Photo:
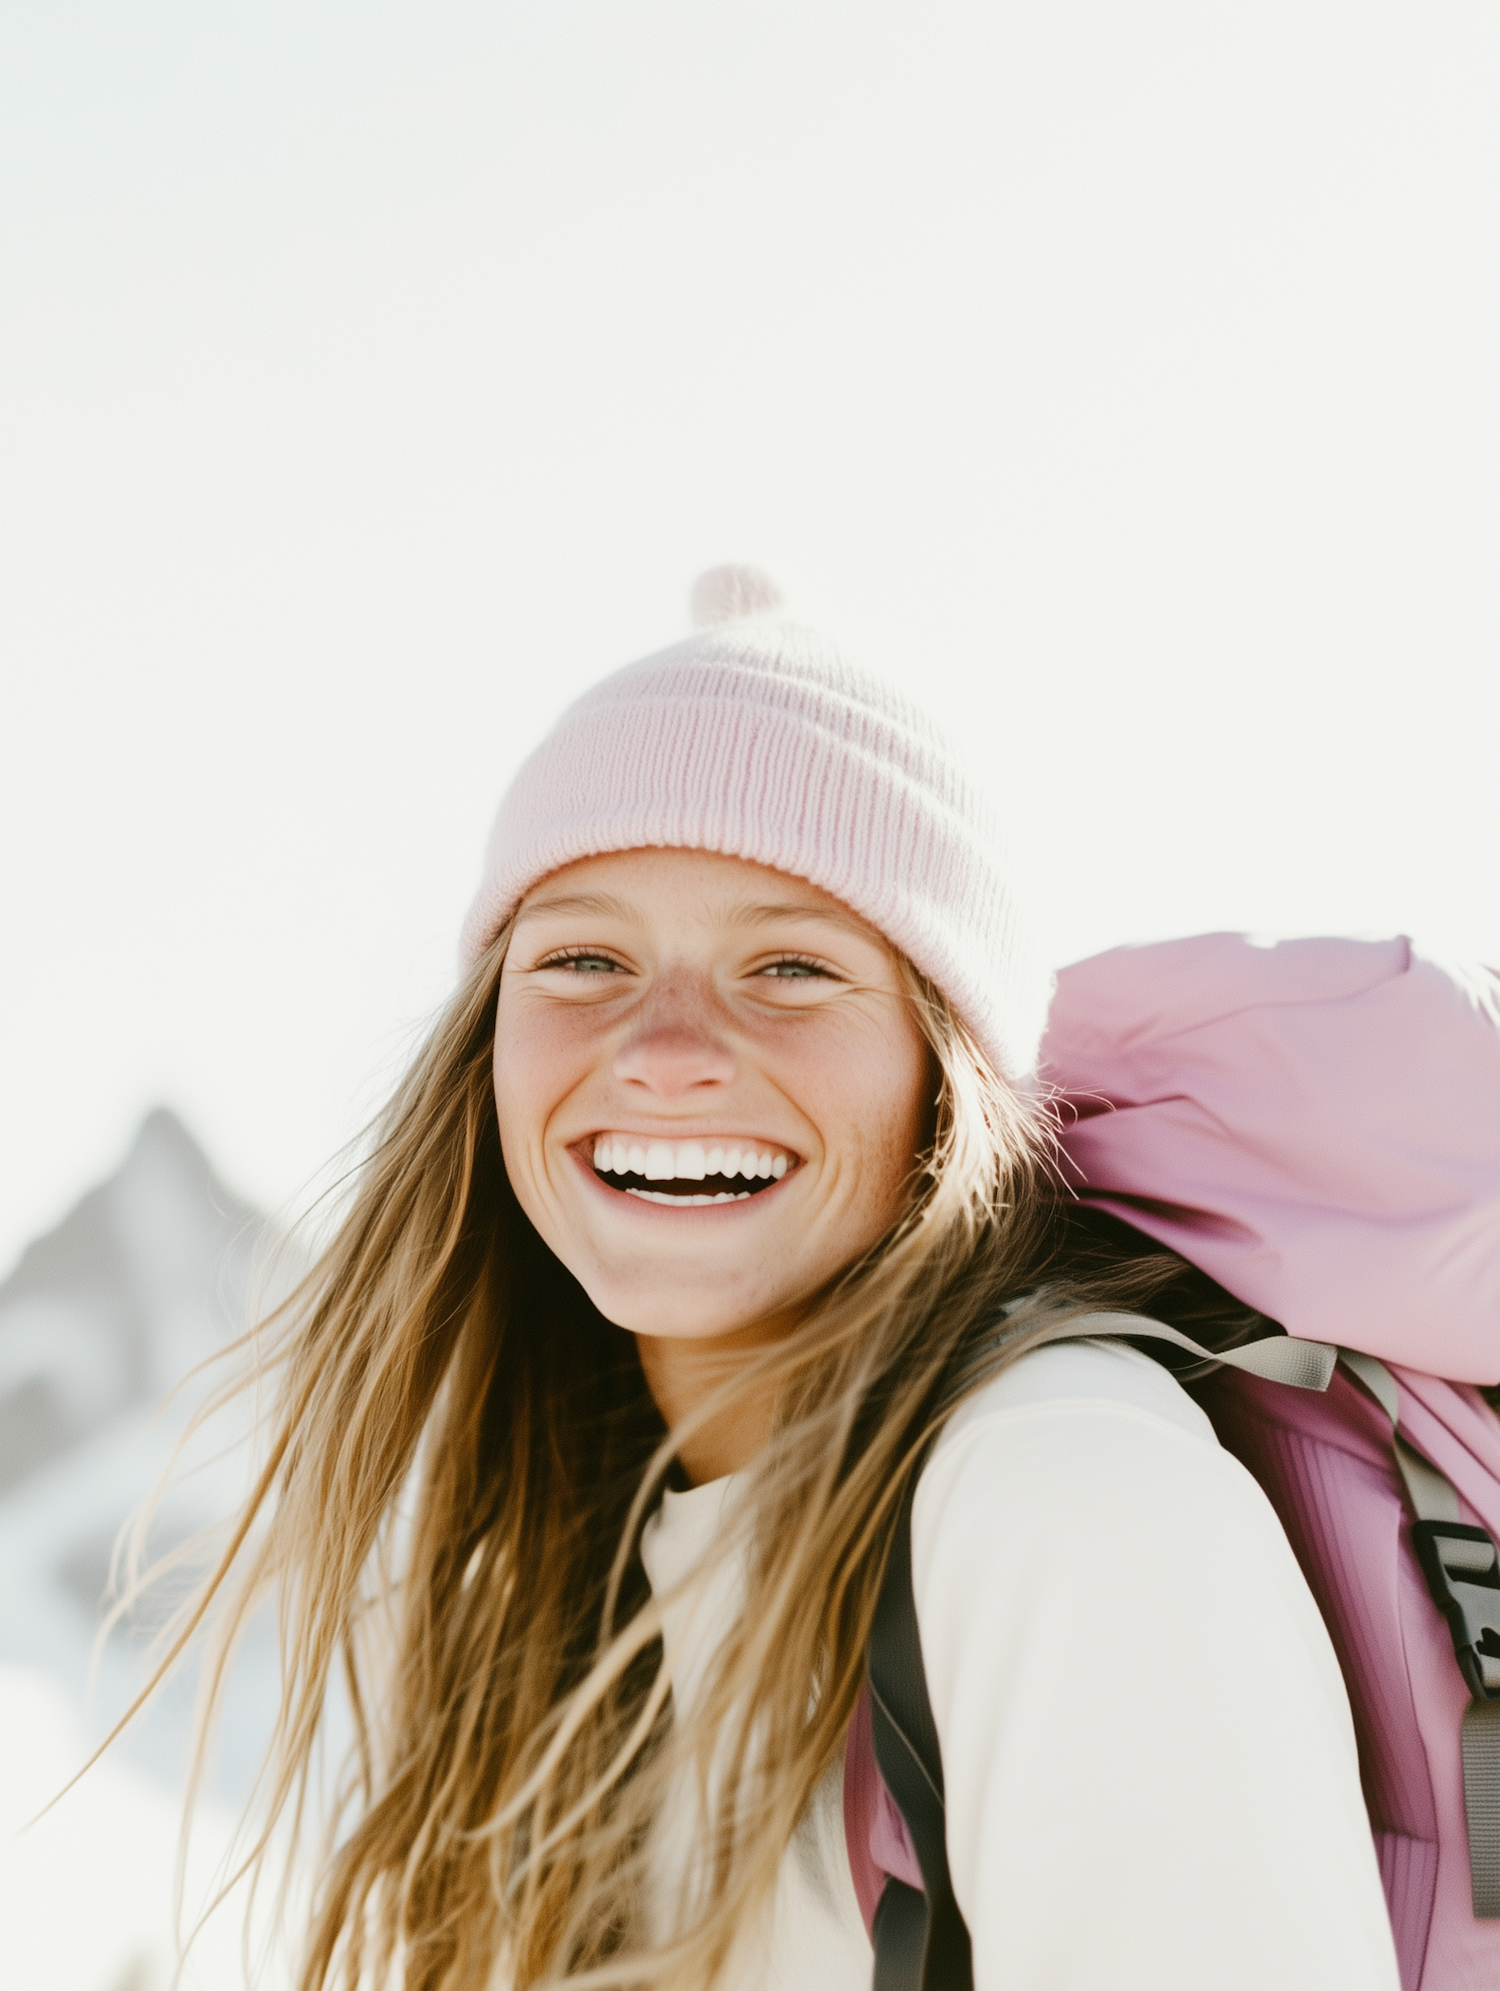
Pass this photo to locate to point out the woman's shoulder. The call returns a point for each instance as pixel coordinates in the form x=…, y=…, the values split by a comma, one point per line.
x=1096, y=1582
x=1089, y=1456
x=1077, y=1382
x=1090, y=1436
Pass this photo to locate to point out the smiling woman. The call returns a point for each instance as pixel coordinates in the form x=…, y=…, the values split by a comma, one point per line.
x=674, y=1024
x=667, y=1298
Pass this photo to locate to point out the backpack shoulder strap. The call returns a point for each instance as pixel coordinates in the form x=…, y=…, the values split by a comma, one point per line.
x=1281, y=1358
x=921, y=1943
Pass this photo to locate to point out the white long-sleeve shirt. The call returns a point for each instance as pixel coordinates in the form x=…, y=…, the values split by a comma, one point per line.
x=1150, y=1767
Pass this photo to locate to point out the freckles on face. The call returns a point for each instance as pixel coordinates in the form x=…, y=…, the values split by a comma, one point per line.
x=711, y=1088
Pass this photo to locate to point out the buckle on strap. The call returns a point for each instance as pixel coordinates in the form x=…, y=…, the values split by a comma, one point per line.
x=1462, y=1567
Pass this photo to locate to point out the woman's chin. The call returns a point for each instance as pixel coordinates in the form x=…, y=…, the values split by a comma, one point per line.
x=675, y=1305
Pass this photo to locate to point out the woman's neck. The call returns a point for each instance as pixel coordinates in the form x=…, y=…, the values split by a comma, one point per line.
x=682, y=1374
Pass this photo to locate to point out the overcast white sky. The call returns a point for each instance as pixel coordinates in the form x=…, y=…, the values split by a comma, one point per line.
x=374, y=376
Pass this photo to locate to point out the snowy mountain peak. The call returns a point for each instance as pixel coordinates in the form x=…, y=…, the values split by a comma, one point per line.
x=145, y=1276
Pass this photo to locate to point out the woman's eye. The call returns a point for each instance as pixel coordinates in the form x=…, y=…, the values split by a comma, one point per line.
x=583, y=964
x=792, y=970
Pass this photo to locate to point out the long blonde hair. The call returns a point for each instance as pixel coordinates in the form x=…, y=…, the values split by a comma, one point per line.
x=462, y=1458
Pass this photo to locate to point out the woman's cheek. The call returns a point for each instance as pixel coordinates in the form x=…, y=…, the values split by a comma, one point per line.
x=526, y=1059
x=870, y=1091
x=543, y=1050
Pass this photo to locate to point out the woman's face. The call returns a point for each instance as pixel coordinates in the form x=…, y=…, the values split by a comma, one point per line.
x=711, y=1088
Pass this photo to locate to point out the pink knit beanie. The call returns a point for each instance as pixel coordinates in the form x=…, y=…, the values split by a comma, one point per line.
x=759, y=739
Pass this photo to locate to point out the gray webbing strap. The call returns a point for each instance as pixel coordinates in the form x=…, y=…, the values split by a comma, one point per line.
x=1481, y=1739
x=1433, y=1498
x=1305, y=1365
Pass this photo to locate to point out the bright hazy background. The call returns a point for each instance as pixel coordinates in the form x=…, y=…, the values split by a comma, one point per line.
x=374, y=376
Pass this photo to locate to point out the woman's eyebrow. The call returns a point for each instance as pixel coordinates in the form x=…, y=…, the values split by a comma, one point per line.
x=769, y=915
x=603, y=905
x=597, y=905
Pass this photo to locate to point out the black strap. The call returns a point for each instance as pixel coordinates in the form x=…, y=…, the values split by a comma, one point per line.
x=921, y=1943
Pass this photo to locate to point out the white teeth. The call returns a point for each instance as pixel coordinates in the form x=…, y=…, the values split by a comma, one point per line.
x=691, y=1202
x=688, y=1161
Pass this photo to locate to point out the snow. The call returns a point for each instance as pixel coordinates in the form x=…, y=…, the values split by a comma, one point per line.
x=86, y=1889
x=148, y=1276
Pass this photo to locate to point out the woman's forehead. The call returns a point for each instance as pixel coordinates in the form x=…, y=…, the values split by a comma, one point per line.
x=697, y=884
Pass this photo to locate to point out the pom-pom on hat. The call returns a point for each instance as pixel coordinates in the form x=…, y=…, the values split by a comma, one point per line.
x=759, y=738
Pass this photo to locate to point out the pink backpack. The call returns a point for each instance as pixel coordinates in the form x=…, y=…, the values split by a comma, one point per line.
x=1316, y=1125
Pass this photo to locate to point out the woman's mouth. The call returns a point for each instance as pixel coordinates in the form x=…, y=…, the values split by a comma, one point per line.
x=695, y=1173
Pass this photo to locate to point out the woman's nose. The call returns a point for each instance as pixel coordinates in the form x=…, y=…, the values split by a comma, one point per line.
x=672, y=1050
